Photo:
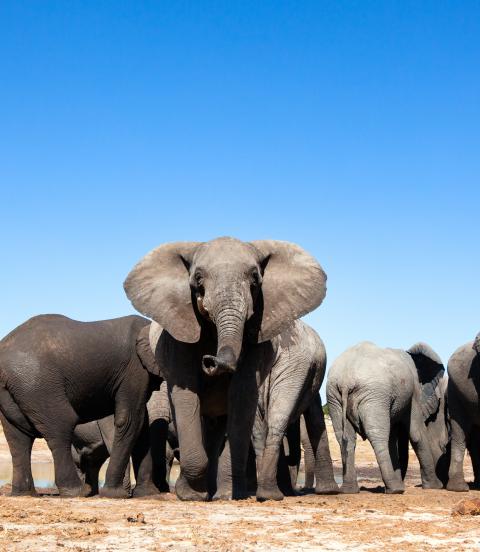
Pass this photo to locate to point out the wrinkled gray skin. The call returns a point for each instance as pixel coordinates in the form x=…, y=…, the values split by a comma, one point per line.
x=219, y=304
x=91, y=447
x=56, y=373
x=308, y=461
x=92, y=443
x=386, y=395
x=289, y=389
x=464, y=408
x=163, y=437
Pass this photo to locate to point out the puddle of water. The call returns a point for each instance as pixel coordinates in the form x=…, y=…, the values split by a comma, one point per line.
x=44, y=474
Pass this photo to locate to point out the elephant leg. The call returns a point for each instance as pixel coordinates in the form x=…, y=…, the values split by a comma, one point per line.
x=169, y=457
x=267, y=478
x=91, y=467
x=403, y=443
x=376, y=424
x=289, y=464
x=259, y=436
x=107, y=430
x=393, y=447
x=474, y=451
x=347, y=440
x=284, y=476
x=251, y=472
x=461, y=430
x=192, y=481
x=20, y=445
x=242, y=405
x=143, y=464
x=159, y=414
x=158, y=444
x=317, y=433
x=421, y=446
x=280, y=408
x=129, y=420
x=219, y=459
x=58, y=434
x=308, y=458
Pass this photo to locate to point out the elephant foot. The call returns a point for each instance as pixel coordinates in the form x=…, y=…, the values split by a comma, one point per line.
x=307, y=490
x=162, y=486
x=73, y=492
x=327, y=488
x=185, y=491
x=223, y=494
x=271, y=492
x=226, y=493
x=435, y=484
x=23, y=492
x=395, y=490
x=145, y=489
x=113, y=492
x=457, y=485
x=349, y=488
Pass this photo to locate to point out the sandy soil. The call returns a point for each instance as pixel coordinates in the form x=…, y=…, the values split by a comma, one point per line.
x=371, y=520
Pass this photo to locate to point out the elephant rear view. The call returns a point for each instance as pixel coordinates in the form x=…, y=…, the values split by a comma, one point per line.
x=385, y=395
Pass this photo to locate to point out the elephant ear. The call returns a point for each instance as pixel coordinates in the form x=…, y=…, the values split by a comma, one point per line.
x=430, y=372
x=158, y=287
x=293, y=285
x=476, y=343
x=145, y=353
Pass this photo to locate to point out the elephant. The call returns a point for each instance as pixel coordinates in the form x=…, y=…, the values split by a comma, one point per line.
x=386, y=396
x=91, y=446
x=92, y=443
x=55, y=373
x=217, y=306
x=289, y=389
x=464, y=403
x=163, y=437
x=298, y=440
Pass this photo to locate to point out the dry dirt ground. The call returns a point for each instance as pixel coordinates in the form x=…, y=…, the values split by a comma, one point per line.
x=371, y=520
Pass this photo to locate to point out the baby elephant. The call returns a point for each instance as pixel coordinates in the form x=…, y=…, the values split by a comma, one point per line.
x=91, y=447
x=386, y=396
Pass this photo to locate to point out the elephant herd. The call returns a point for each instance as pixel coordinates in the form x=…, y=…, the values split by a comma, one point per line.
x=224, y=376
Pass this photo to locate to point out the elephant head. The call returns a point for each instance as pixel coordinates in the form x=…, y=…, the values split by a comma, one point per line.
x=245, y=290
x=476, y=343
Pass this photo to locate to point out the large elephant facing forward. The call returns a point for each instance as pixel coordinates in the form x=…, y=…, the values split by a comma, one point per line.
x=386, y=395
x=220, y=304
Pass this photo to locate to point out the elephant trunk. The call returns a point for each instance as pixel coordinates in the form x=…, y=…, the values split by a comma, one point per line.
x=230, y=322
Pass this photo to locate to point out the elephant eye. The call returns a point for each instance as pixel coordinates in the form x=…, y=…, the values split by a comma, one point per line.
x=255, y=277
x=198, y=278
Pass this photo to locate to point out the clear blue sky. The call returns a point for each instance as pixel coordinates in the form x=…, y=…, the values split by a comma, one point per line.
x=351, y=128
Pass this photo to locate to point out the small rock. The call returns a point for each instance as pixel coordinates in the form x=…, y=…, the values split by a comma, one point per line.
x=139, y=518
x=467, y=507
